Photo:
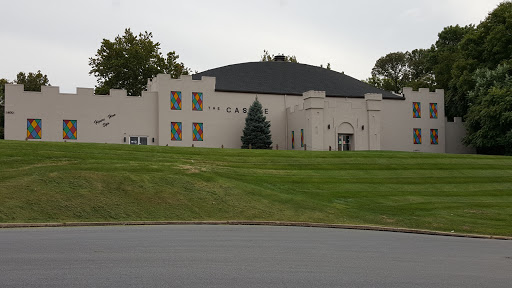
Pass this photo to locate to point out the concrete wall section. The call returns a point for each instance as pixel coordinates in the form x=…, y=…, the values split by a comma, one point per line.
x=373, y=108
x=223, y=115
x=163, y=85
x=314, y=102
x=324, y=118
x=398, y=122
x=138, y=117
x=373, y=123
x=455, y=132
x=345, y=116
x=100, y=118
x=296, y=117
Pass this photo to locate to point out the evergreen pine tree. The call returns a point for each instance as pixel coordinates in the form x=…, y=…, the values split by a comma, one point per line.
x=257, y=128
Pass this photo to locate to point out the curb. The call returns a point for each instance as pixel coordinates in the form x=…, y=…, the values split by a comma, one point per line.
x=261, y=223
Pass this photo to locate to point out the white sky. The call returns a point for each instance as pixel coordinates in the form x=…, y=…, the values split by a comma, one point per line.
x=59, y=37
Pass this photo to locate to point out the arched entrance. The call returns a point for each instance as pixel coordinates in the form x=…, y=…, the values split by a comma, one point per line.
x=345, y=137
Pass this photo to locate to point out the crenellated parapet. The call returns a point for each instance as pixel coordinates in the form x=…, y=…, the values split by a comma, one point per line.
x=409, y=93
x=18, y=90
x=373, y=101
x=313, y=99
x=165, y=80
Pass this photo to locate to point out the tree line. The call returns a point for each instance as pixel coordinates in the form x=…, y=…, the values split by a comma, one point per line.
x=473, y=64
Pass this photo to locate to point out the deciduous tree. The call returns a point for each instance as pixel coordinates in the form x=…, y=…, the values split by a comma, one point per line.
x=129, y=61
x=393, y=66
x=486, y=46
x=489, y=119
x=448, y=67
x=32, y=81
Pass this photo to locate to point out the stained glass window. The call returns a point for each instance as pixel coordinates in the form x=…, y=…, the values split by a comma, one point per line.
x=197, y=101
x=417, y=135
x=434, y=136
x=34, y=128
x=433, y=110
x=69, y=129
x=197, y=131
x=175, y=100
x=416, y=109
x=176, y=131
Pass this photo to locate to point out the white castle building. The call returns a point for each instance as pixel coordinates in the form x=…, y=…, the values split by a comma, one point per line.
x=308, y=107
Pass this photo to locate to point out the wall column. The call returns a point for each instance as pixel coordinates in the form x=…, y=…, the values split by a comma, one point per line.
x=373, y=106
x=314, y=107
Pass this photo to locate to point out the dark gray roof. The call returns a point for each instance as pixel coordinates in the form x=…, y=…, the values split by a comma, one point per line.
x=288, y=78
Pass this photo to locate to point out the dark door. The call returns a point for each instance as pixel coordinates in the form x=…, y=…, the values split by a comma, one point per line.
x=344, y=142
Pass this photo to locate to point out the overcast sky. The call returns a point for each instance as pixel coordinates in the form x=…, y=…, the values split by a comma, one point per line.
x=59, y=37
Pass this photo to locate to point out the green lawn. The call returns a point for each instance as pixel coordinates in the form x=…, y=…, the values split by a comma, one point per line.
x=63, y=182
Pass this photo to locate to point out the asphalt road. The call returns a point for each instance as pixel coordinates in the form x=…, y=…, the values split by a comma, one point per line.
x=246, y=256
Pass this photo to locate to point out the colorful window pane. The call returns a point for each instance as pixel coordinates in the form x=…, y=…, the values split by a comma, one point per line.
x=34, y=127
x=301, y=137
x=175, y=131
x=293, y=139
x=175, y=100
x=416, y=109
x=434, y=136
x=417, y=135
x=433, y=110
x=197, y=131
x=69, y=128
x=197, y=101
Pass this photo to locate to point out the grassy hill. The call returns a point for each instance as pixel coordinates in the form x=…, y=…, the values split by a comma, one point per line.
x=62, y=182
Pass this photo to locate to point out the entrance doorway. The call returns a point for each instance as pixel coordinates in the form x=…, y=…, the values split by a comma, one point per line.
x=136, y=140
x=344, y=142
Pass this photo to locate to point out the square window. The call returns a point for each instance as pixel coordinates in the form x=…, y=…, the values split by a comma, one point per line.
x=136, y=140
x=417, y=135
x=176, y=131
x=69, y=129
x=34, y=128
x=197, y=131
x=197, y=101
x=434, y=136
x=433, y=110
x=416, y=109
x=175, y=100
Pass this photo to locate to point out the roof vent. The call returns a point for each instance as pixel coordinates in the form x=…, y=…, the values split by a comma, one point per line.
x=280, y=58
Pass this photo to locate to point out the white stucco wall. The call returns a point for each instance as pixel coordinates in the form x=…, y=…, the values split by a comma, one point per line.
x=373, y=122
x=100, y=118
x=296, y=117
x=324, y=118
x=398, y=122
x=344, y=115
x=223, y=114
x=455, y=132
